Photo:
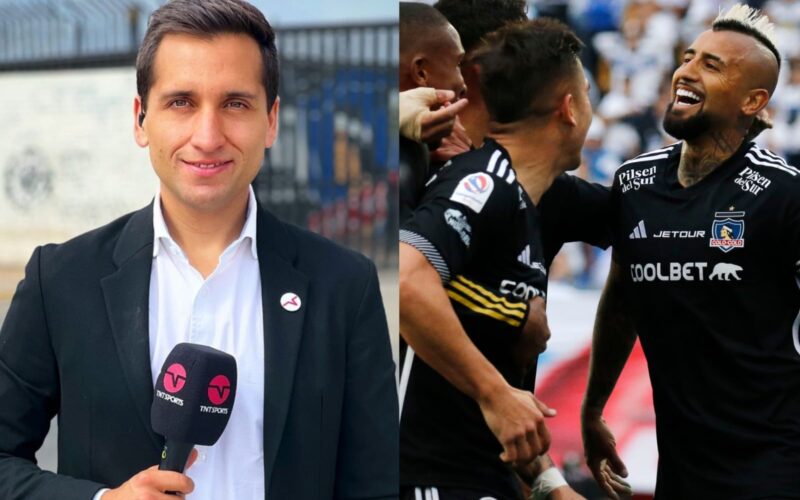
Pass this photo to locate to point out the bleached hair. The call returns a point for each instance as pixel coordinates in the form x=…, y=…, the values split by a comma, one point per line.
x=750, y=21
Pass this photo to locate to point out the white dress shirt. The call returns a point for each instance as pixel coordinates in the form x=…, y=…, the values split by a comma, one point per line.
x=221, y=311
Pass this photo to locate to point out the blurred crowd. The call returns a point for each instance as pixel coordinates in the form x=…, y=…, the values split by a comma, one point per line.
x=632, y=49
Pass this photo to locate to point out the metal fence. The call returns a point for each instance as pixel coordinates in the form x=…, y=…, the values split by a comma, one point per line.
x=46, y=34
x=334, y=166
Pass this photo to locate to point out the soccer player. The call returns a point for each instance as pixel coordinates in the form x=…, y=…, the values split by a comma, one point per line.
x=473, y=21
x=430, y=55
x=705, y=270
x=470, y=259
x=571, y=209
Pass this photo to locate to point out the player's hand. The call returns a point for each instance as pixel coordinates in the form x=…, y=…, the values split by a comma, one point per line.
x=599, y=447
x=535, y=334
x=151, y=484
x=418, y=120
x=565, y=493
x=456, y=143
x=516, y=418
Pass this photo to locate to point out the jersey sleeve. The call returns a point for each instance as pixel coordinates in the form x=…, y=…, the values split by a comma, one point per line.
x=614, y=217
x=793, y=227
x=457, y=212
x=574, y=210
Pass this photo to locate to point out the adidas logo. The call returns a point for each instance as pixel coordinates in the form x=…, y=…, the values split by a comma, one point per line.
x=525, y=258
x=638, y=231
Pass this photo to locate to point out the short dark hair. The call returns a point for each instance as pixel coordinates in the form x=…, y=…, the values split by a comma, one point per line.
x=418, y=21
x=205, y=19
x=520, y=65
x=477, y=18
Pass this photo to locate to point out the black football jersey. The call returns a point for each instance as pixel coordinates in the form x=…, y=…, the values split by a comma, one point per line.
x=711, y=281
x=478, y=228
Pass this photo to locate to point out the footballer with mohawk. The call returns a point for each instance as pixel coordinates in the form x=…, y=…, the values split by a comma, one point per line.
x=706, y=270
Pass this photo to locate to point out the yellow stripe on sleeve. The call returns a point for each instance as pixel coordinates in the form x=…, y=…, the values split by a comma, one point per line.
x=482, y=310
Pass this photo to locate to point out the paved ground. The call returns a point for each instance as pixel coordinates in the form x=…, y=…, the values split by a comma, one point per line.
x=47, y=456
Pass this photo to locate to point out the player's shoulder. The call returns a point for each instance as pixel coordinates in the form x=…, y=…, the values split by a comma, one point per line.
x=475, y=177
x=490, y=163
x=765, y=167
x=649, y=161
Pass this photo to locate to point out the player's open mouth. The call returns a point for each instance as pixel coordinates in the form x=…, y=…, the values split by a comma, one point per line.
x=685, y=98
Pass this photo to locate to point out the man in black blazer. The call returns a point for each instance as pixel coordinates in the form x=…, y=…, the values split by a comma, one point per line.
x=76, y=339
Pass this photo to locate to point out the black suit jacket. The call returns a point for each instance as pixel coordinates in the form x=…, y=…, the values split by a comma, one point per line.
x=75, y=343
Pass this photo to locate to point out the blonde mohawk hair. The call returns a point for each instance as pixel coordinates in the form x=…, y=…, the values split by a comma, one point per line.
x=749, y=21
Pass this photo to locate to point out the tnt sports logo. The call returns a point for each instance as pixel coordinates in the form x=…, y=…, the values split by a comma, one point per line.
x=727, y=232
x=219, y=389
x=174, y=378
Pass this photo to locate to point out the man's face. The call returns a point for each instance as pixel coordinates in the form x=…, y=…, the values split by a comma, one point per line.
x=444, y=70
x=708, y=87
x=207, y=122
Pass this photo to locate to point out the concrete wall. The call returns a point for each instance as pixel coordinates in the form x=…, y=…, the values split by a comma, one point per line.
x=68, y=160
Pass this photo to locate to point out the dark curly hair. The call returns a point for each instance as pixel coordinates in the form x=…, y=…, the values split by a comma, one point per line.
x=474, y=19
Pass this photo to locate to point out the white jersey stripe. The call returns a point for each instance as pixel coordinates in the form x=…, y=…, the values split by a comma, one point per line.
x=430, y=252
x=433, y=178
x=511, y=176
x=668, y=148
x=428, y=494
x=762, y=153
x=502, y=170
x=493, y=161
x=788, y=170
x=404, y=376
x=771, y=158
x=435, y=493
x=417, y=494
x=770, y=154
x=645, y=158
x=796, y=325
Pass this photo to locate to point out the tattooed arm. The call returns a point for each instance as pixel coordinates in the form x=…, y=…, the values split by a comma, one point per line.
x=612, y=343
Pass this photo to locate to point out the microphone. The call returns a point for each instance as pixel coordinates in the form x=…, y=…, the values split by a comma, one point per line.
x=193, y=401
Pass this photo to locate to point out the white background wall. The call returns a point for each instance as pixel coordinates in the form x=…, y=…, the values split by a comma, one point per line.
x=68, y=160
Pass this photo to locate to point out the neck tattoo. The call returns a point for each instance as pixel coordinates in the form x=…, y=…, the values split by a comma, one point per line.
x=695, y=165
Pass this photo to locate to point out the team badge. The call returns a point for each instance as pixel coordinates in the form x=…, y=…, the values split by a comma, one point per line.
x=473, y=191
x=727, y=231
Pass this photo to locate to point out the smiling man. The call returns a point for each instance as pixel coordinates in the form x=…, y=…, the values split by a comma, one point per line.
x=705, y=270
x=94, y=319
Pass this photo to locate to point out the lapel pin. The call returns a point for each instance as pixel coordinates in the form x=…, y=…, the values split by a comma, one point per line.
x=290, y=301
